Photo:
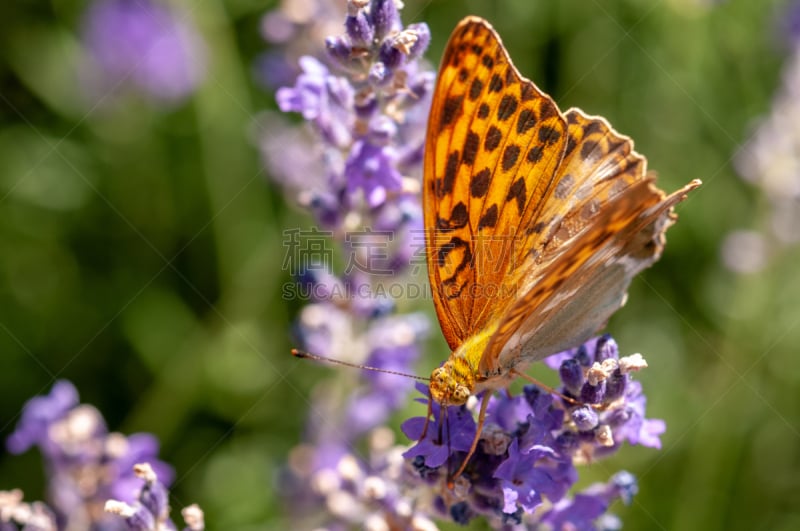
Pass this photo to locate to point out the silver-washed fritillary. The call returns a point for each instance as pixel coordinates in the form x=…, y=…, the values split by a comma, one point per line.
x=536, y=219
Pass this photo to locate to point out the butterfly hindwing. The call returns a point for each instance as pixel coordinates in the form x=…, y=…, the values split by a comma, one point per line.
x=605, y=225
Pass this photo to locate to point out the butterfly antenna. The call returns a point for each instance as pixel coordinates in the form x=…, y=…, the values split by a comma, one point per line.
x=306, y=355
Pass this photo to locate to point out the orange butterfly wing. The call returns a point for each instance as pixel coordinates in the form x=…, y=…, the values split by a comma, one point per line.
x=494, y=144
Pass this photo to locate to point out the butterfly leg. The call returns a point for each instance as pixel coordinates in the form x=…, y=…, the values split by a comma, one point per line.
x=481, y=419
x=427, y=418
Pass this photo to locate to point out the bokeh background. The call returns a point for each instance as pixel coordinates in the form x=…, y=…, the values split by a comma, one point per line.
x=141, y=242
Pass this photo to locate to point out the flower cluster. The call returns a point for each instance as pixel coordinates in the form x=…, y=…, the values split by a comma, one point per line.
x=86, y=464
x=531, y=443
x=140, y=44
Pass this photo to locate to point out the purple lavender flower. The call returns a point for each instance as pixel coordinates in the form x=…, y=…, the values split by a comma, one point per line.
x=141, y=44
x=85, y=463
x=582, y=511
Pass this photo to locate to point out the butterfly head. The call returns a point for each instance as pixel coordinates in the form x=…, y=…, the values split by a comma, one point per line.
x=453, y=383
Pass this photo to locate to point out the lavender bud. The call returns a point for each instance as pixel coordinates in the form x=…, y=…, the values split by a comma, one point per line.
x=384, y=17
x=593, y=394
x=606, y=348
x=155, y=498
x=423, y=85
x=615, y=386
x=194, y=517
x=391, y=56
x=567, y=442
x=571, y=374
x=423, y=34
x=582, y=356
x=359, y=29
x=339, y=49
x=585, y=418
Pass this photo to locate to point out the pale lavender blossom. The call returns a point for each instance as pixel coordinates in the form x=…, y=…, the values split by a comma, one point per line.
x=85, y=464
x=140, y=44
x=770, y=160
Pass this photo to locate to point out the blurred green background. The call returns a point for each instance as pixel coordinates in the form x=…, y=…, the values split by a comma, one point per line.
x=141, y=250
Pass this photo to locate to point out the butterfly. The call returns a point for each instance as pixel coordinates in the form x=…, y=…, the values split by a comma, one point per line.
x=536, y=219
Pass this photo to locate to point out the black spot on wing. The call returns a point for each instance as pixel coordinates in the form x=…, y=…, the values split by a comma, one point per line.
x=475, y=89
x=518, y=192
x=447, y=183
x=453, y=107
x=489, y=218
x=495, y=84
x=535, y=154
x=493, y=138
x=526, y=120
x=510, y=156
x=507, y=108
x=479, y=184
x=549, y=135
x=471, y=146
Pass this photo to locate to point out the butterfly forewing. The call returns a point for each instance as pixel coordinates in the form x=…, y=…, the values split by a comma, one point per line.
x=494, y=145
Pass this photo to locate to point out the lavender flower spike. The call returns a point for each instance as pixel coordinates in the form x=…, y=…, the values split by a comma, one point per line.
x=368, y=105
x=85, y=463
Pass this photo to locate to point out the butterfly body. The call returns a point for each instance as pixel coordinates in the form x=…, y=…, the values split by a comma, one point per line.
x=461, y=376
x=536, y=220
